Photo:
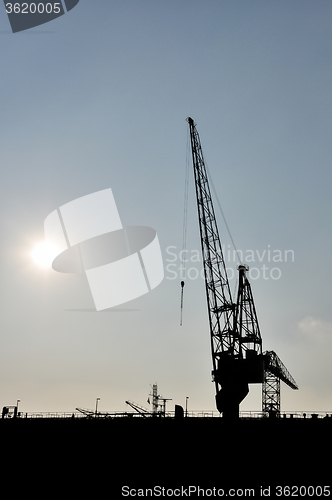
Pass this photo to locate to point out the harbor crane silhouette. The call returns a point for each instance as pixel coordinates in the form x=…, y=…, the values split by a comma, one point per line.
x=236, y=342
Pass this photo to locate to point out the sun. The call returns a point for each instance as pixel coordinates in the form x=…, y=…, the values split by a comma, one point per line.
x=43, y=254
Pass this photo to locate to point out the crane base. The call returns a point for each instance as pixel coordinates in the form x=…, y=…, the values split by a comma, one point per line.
x=228, y=399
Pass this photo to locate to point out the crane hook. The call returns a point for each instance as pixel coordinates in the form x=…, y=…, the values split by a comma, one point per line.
x=182, y=285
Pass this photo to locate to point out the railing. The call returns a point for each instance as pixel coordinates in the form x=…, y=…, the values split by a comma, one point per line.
x=245, y=415
x=44, y=414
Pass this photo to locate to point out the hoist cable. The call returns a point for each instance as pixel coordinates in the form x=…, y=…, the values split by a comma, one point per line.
x=184, y=227
x=185, y=211
x=222, y=213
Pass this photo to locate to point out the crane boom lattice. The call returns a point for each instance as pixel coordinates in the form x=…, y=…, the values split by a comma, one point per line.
x=220, y=305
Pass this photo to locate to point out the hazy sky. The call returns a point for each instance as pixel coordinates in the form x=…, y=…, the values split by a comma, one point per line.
x=98, y=98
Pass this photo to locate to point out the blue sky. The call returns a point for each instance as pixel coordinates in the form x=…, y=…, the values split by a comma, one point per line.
x=98, y=98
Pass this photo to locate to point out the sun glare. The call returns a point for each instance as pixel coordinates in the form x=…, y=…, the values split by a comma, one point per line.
x=43, y=254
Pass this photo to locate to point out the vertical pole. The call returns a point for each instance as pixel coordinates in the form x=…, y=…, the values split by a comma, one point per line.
x=98, y=399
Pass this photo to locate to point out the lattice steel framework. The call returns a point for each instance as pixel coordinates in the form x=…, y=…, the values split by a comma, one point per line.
x=271, y=394
x=275, y=371
x=220, y=305
x=246, y=318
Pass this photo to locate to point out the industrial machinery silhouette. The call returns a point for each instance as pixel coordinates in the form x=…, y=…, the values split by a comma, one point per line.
x=157, y=401
x=158, y=408
x=274, y=371
x=236, y=342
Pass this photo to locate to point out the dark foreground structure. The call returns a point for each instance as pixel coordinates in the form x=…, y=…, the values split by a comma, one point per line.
x=128, y=457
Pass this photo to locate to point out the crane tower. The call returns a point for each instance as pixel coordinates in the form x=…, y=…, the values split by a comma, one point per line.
x=236, y=342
